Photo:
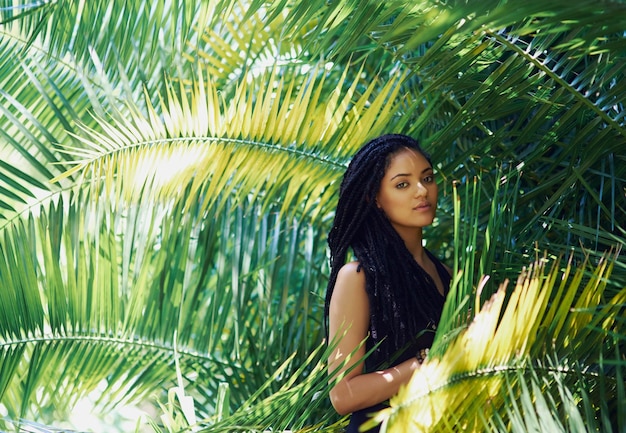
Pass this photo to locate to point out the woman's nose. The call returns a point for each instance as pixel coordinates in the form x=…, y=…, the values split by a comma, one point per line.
x=420, y=190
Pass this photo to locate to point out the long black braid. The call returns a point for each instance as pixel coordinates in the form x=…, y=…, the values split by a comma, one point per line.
x=401, y=295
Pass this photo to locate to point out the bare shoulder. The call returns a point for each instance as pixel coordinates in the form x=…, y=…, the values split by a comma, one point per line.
x=351, y=271
x=350, y=286
x=349, y=304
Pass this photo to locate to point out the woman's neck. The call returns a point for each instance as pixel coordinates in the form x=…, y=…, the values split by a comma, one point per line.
x=413, y=240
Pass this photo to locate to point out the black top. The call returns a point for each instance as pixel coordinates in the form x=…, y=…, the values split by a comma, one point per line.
x=422, y=341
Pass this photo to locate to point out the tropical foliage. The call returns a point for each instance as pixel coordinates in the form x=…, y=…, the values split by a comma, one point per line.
x=169, y=170
x=516, y=381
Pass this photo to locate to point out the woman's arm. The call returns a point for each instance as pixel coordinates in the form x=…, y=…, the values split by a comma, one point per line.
x=349, y=324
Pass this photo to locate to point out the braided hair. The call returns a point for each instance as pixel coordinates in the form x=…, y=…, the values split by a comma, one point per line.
x=401, y=303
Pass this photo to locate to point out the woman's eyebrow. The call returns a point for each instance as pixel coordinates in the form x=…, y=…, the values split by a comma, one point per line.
x=400, y=175
x=408, y=174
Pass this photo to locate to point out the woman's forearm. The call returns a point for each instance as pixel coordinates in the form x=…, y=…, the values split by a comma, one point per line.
x=365, y=390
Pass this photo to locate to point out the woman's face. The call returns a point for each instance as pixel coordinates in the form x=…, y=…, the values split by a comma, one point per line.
x=408, y=192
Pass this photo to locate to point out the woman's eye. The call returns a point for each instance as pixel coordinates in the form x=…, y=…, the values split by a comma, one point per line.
x=429, y=179
x=402, y=185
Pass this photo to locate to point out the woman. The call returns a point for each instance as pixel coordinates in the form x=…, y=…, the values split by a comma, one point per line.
x=392, y=295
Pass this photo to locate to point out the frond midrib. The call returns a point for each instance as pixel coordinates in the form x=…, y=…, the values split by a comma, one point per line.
x=250, y=143
x=114, y=341
x=564, y=84
x=498, y=370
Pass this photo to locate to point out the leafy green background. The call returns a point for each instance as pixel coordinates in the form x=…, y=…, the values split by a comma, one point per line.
x=169, y=170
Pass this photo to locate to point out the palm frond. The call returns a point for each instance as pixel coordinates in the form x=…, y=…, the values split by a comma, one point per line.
x=538, y=86
x=509, y=336
x=67, y=26
x=271, y=149
x=188, y=221
x=112, y=292
x=246, y=43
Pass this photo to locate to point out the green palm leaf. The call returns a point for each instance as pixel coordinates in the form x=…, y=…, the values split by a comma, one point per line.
x=508, y=337
x=232, y=144
x=189, y=215
x=180, y=279
x=506, y=85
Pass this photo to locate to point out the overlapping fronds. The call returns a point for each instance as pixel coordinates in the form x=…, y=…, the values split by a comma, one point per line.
x=407, y=26
x=196, y=150
x=78, y=31
x=550, y=334
x=106, y=305
x=246, y=43
x=265, y=141
x=536, y=84
x=59, y=68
